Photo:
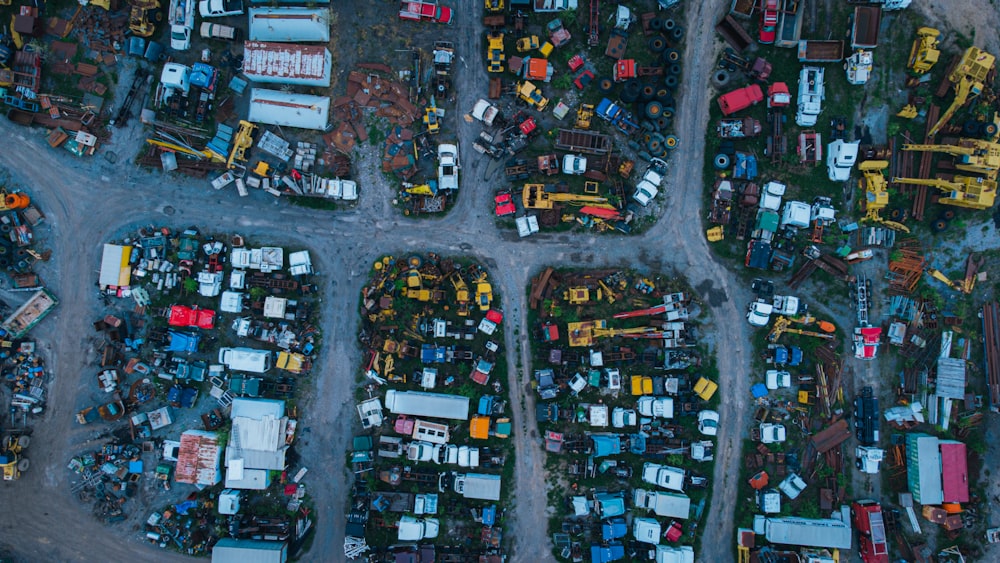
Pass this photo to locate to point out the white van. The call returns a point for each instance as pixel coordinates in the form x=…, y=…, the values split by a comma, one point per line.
x=245, y=359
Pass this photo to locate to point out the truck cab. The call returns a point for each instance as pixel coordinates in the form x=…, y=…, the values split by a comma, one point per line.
x=220, y=8
x=181, y=24
x=867, y=516
x=649, y=186
x=768, y=22
x=811, y=94
x=759, y=313
x=177, y=77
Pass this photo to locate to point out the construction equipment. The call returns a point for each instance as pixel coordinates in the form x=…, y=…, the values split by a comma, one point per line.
x=241, y=142
x=877, y=194
x=965, y=286
x=909, y=111
x=580, y=295
x=583, y=116
x=970, y=192
x=494, y=6
x=968, y=78
x=484, y=292
x=494, y=52
x=11, y=461
x=532, y=95
x=981, y=157
x=608, y=294
x=924, y=54
x=783, y=325
x=527, y=43
x=715, y=234
x=143, y=17
x=534, y=196
x=462, y=295
x=14, y=200
x=615, y=332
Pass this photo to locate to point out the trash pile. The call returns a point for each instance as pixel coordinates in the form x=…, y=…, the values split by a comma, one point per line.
x=109, y=476
x=24, y=374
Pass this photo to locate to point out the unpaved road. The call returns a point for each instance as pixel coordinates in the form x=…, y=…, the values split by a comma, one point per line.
x=90, y=201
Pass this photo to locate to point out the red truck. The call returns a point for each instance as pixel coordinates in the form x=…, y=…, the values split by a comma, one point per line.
x=867, y=516
x=430, y=11
x=740, y=99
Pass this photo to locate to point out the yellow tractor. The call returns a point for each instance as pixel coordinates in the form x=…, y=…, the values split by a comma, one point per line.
x=494, y=52
x=534, y=196
x=494, y=6
x=583, y=116
x=532, y=95
x=462, y=296
x=968, y=78
x=484, y=292
x=143, y=17
x=924, y=54
x=11, y=460
x=877, y=194
x=528, y=43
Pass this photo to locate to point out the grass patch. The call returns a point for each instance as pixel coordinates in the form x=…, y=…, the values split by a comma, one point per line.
x=313, y=202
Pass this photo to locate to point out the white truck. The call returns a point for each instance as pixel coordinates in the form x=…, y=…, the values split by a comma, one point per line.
x=811, y=93
x=777, y=379
x=667, y=505
x=416, y=529
x=771, y=196
x=759, y=313
x=646, y=530
x=485, y=112
x=656, y=407
x=787, y=305
x=220, y=8
x=245, y=359
x=181, y=24
x=840, y=159
x=665, y=476
x=647, y=188
x=209, y=30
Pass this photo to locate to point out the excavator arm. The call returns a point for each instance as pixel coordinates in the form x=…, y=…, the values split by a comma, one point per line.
x=962, y=89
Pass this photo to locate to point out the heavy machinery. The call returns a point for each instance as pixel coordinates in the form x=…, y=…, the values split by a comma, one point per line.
x=462, y=295
x=924, y=54
x=143, y=17
x=584, y=114
x=12, y=461
x=877, y=194
x=527, y=43
x=241, y=142
x=974, y=155
x=534, y=196
x=784, y=324
x=965, y=286
x=967, y=78
x=494, y=6
x=532, y=95
x=14, y=200
x=581, y=295
x=970, y=192
x=494, y=52
x=484, y=292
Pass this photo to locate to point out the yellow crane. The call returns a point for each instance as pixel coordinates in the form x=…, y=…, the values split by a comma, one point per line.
x=613, y=332
x=924, y=54
x=970, y=192
x=968, y=78
x=974, y=155
x=784, y=324
x=534, y=196
x=877, y=194
x=241, y=142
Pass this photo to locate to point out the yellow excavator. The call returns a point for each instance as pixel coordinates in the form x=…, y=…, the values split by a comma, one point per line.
x=970, y=192
x=784, y=324
x=968, y=78
x=974, y=155
x=534, y=196
x=877, y=194
x=924, y=54
x=965, y=286
x=143, y=17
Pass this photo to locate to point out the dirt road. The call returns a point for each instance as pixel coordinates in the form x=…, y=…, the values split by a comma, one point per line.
x=89, y=202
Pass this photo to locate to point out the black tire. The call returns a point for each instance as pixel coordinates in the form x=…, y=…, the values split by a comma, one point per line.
x=656, y=24
x=605, y=85
x=631, y=91
x=671, y=142
x=654, y=109
x=971, y=128
x=677, y=33
x=5, y=228
x=647, y=137
x=664, y=96
x=939, y=226
x=896, y=214
x=990, y=129
x=654, y=145
x=648, y=92
x=21, y=265
x=21, y=253
x=948, y=214
x=657, y=44
x=674, y=69
x=648, y=125
x=4, y=262
x=662, y=122
x=669, y=24
x=668, y=112
x=721, y=78
x=671, y=81
x=721, y=161
x=671, y=55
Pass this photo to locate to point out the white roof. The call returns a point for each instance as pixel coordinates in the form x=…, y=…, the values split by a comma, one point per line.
x=287, y=109
x=807, y=532
x=290, y=25
x=114, y=265
x=274, y=307
x=598, y=415
x=232, y=302
x=257, y=408
x=231, y=550
x=420, y=403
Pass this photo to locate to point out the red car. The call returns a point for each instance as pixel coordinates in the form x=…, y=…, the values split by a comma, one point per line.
x=768, y=22
x=585, y=77
x=504, y=205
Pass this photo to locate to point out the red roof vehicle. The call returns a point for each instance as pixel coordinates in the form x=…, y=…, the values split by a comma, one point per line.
x=424, y=11
x=867, y=515
x=778, y=95
x=504, y=205
x=182, y=315
x=768, y=22
x=740, y=99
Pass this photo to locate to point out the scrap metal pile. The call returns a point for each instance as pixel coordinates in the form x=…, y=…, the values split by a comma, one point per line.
x=108, y=477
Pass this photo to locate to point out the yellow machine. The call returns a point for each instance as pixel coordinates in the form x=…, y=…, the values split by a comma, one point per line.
x=877, y=194
x=11, y=461
x=534, y=196
x=909, y=111
x=614, y=332
x=494, y=6
x=106, y=4
x=715, y=234
x=965, y=286
x=784, y=324
x=705, y=388
x=580, y=295
x=531, y=95
x=924, y=54
x=981, y=157
x=642, y=385
x=608, y=294
x=241, y=142
x=462, y=295
x=583, y=116
x=970, y=192
x=527, y=43
x=143, y=17
x=968, y=78
x=494, y=52
x=484, y=292
x=15, y=200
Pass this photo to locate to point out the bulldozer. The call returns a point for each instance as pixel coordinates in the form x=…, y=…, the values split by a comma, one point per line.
x=534, y=196
x=981, y=157
x=877, y=194
x=970, y=192
x=584, y=114
x=968, y=78
x=462, y=296
x=924, y=54
x=784, y=324
x=12, y=461
x=143, y=16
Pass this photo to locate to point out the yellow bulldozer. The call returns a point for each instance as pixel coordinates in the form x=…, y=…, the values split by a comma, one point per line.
x=534, y=196
x=924, y=54
x=968, y=78
x=462, y=294
x=877, y=194
x=143, y=16
x=12, y=460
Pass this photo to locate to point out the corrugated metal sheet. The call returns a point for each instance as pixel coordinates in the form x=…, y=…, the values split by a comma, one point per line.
x=272, y=107
x=950, y=378
x=290, y=25
x=954, y=472
x=923, y=468
x=198, y=458
x=287, y=63
x=808, y=532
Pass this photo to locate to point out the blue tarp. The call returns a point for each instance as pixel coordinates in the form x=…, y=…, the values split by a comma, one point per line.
x=614, y=529
x=182, y=342
x=606, y=444
x=485, y=405
x=758, y=390
x=489, y=515
x=183, y=507
x=613, y=552
x=609, y=505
